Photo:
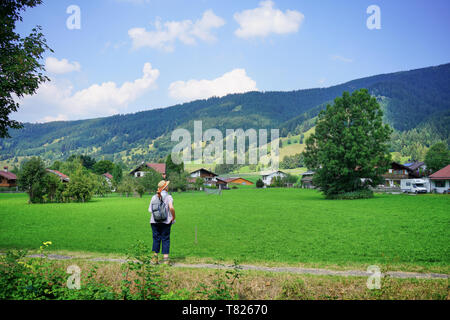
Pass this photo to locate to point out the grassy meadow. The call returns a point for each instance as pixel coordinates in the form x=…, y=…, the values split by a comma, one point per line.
x=261, y=226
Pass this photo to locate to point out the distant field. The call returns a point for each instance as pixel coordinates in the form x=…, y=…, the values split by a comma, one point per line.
x=293, y=226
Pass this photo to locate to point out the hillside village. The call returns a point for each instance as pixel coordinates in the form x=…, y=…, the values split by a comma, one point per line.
x=410, y=177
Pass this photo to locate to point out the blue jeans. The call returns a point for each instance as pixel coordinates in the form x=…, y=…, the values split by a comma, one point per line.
x=161, y=234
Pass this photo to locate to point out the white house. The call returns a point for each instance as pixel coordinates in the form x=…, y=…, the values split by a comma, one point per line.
x=208, y=176
x=268, y=176
x=140, y=170
x=440, y=180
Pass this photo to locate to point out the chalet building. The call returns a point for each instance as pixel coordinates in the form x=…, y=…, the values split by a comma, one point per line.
x=209, y=178
x=440, y=180
x=238, y=180
x=307, y=180
x=268, y=176
x=396, y=173
x=140, y=170
x=418, y=168
x=206, y=175
x=7, y=179
x=61, y=175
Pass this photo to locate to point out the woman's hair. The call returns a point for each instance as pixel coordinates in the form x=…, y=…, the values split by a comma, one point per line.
x=158, y=192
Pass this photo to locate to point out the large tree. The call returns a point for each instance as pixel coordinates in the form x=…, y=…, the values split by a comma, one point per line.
x=437, y=157
x=349, y=149
x=21, y=71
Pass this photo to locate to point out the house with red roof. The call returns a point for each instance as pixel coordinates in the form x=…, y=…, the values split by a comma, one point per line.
x=237, y=180
x=108, y=176
x=140, y=170
x=7, y=179
x=61, y=175
x=440, y=180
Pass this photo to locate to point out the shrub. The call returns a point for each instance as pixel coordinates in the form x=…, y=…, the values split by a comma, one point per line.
x=38, y=279
x=81, y=186
x=259, y=183
x=148, y=283
x=360, y=194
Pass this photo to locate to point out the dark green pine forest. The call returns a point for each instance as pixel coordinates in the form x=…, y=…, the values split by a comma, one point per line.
x=416, y=104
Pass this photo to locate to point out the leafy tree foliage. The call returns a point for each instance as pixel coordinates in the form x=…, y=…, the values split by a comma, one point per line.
x=198, y=184
x=172, y=168
x=117, y=174
x=127, y=186
x=81, y=186
x=101, y=185
x=150, y=180
x=86, y=161
x=20, y=69
x=437, y=157
x=350, y=143
x=31, y=177
x=178, y=181
x=292, y=162
x=103, y=166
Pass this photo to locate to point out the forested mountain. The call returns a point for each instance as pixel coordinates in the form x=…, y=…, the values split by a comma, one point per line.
x=413, y=100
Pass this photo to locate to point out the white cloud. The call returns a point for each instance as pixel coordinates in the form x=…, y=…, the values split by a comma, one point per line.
x=341, y=58
x=59, y=117
x=186, y=31
x=235, y=81
x=53, y=65
x=107, y=98
x=264, y=20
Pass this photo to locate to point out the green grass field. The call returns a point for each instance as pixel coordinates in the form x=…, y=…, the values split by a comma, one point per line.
x=269, y=226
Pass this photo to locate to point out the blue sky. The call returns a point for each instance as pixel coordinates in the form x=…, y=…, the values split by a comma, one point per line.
x=134, y=55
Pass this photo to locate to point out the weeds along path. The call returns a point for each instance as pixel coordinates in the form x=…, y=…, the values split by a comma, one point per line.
x=297, y=270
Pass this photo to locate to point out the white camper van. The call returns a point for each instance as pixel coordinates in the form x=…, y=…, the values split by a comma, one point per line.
x=414, y=185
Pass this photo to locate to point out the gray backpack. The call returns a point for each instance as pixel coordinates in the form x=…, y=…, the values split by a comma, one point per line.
x=160, y=210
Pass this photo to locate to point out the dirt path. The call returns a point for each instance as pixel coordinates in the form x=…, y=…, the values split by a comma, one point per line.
x=298, y=270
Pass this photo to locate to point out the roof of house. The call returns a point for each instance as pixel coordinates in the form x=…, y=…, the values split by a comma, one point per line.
x=267, y=173
x=159, y=167
x=108, y=175
x=415, y=165
x=443, y=174
x=205, y=170
x=8, y=175
x=231, y=179
x=221, y=180
x=396, y=165
x=307, y=173
x=60, y=174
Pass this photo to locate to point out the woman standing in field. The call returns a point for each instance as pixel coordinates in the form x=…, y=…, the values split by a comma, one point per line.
x=161, y=229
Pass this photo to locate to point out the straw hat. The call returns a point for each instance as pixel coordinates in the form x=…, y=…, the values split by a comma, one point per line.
x=162, y=185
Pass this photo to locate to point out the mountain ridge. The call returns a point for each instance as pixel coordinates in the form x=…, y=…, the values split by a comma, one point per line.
x=410, y=99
